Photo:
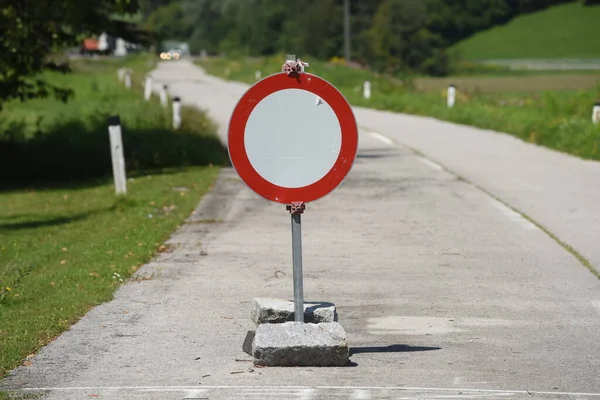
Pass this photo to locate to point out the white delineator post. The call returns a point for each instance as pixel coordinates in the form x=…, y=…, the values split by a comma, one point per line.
x=257, y=75
x=116, y=153
x=148, y=88
x=163, y=96
x=451, y=96
x=121, y=74
x=128, y=79
x=367, y=90
x=596, y=112
x=176, y=112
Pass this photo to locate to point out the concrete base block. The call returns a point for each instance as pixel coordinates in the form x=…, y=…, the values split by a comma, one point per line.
x=298, y=344
x=274, y=311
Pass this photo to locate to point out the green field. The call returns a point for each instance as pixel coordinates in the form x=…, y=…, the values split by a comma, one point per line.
x=564, y=31
x=557, y=119
x=67, y=242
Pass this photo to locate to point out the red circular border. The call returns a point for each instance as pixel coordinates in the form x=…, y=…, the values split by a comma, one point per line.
x=237, y=130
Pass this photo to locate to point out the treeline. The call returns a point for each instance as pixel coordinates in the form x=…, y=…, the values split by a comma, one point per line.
x=387, y=35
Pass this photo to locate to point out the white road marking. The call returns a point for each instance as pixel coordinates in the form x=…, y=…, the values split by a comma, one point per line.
x=368, y=388
x=361, y=394
x=382, y=138
x=513, y=215
x=432, y=164
x=195, y=394
x=307, y=394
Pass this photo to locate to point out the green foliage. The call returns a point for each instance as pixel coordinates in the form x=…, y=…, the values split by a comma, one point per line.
x=31, y=30
x=558, y=32
x=166, y=21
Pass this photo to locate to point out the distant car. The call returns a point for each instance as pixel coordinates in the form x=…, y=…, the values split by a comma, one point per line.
x=170, y=55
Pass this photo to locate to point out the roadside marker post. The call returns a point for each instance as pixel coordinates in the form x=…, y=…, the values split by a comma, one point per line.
x=367, y=90
x=116, y=153
x=257, y=75
x=292, y=139
x=596, y=112
x=451, y=96
x=176, y=112
x=128, y=79
x=163, y=96
x=148, y=88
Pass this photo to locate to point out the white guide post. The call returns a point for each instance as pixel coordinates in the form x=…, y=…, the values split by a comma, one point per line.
x=116, y=153
x=451, y=96
x=163, y=96
x=367, y=90
x=148, y=88
x=176, y=112
x=128, y=79
x=596, y=113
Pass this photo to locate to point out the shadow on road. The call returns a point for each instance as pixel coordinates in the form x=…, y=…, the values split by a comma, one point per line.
x=394, y=348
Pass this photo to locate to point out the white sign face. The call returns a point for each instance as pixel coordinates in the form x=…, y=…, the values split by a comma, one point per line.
x=292, y=138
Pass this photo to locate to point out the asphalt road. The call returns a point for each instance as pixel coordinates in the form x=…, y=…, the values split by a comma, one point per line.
x=444, y=291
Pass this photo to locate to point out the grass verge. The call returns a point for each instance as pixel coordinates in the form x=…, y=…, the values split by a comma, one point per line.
x=558, y=119
x=66, y=241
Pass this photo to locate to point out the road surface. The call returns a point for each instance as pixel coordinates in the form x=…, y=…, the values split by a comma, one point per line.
x=445, y=292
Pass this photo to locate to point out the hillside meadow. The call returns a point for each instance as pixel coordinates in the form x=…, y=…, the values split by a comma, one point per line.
x=559, y=32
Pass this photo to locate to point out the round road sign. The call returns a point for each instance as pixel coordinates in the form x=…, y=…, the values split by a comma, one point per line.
x=292, y=138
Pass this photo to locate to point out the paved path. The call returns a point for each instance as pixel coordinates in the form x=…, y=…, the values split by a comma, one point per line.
x=444, y=291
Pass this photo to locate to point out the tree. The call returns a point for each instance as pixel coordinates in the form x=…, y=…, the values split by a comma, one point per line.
x=32, y=30
x=165, y=21
x=397, y=26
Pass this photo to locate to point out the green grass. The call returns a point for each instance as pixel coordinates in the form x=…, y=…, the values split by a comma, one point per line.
x=66, y=240
x=563, y=31
x=557, y=119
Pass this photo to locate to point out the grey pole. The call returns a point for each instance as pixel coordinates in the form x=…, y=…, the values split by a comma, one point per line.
x=347, y=30
x=296, y=211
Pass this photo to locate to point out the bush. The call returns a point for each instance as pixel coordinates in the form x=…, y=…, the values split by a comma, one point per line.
x=77, y=149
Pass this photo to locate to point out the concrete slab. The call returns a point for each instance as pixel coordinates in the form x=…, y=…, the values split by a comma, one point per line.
x=297, y=344
x=273, y=311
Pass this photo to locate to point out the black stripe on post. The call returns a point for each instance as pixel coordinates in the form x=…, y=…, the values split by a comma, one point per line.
x=114, y=120
x=176, y=98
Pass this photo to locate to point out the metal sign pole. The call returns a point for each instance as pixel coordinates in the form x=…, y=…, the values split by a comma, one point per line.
x=296, y=210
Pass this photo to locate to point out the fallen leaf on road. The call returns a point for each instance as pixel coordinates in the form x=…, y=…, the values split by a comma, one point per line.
x=226, y=317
